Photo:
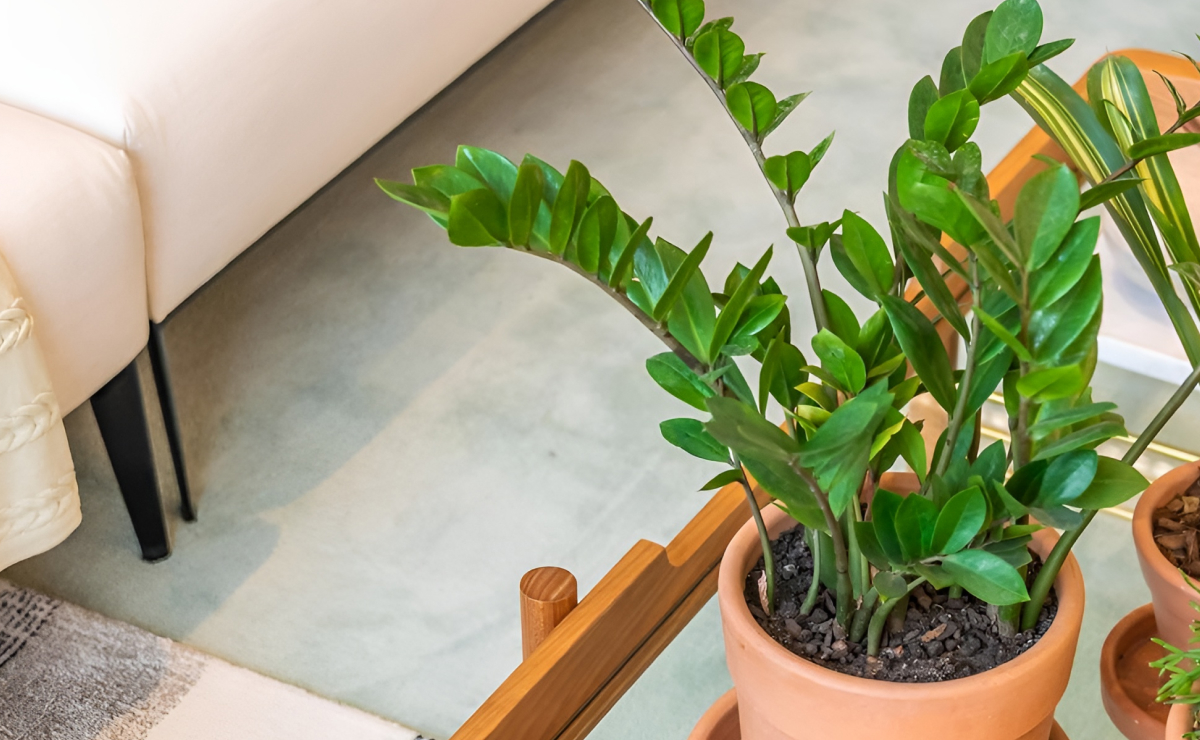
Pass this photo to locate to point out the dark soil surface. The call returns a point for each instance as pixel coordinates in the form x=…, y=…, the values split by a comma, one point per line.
x=943, y=638
x=1177, y=530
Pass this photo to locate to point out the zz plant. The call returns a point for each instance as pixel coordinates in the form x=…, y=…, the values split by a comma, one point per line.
x=1031, y=331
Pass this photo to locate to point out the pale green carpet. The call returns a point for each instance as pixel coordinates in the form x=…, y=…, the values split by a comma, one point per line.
x=387, y=432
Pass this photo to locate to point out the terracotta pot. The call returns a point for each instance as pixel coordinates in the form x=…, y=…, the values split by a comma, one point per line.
x=1180, y=721
x=784, y=697
x=1171, y=595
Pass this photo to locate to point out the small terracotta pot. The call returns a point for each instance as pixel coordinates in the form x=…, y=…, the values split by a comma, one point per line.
x=784, y=697
x=1171, y=595
x=1180, y=721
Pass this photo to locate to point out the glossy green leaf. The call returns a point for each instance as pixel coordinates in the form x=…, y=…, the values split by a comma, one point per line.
x=787, y=375
x=1016, y=26
x=927, y=274
x=681, y=17
x=845, y=266
x=996, y=231
x=681, y=277
x=959, y=521
x=884, y=508
x=568, y=206
x=750, y=63
x=446, y=179
x=915, y=524
x=986, y=576
x=1048, y=51
x=839, y=452
x=840, y=360
x=1115, y=483
x=788, y=173
x=952, y=77
x=1045, y=212
x=974, y=39
x=1064, y=269
x=1014, y=551
x=719, y=53
x=912, y=448
x=842, y=320
x=742, y=429
x=752, y=105
x=924, y=349
x=691, y=317
x=676, y=378
x=689, y=435
x=924, y=95
x=759, y=314
x=477, y=219
x=1003, y=334
x=1084, y=438
x=1054, y=327
x=789, y=490
x=731, y=314
x=1093, y=197
x=998, y=78
x=418, y=196
x=953, y=119
x=1050, y=419
x=494, y=169
x=784, y=109
x=890, y=585
x=621, y=269
x=525, y=203
x=1052, y=383
x=720, y=480
x=868, y=253
x=597, y=229
x=1066, y=477
x=1162, y=144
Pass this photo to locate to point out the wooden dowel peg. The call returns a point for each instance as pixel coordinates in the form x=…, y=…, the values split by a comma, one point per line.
x=547, y=596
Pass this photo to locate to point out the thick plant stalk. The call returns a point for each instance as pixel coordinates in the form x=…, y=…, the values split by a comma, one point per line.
x=880, y=618
x=816, y=297
x=1054, y=561
x=814, y=588
x=862, y=617
x=764, y=537
x=841, y=557
x=960, y=405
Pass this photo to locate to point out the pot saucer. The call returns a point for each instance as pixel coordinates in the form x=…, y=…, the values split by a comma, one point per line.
x=1128, y=684
x=720, y=722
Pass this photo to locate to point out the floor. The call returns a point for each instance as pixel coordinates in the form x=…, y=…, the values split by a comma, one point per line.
x=386, y=432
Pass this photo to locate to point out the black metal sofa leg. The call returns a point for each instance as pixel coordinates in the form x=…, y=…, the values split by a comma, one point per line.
x=166, y=399
x=121, y=415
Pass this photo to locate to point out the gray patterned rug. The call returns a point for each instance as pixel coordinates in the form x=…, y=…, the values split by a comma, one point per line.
x=69, y=674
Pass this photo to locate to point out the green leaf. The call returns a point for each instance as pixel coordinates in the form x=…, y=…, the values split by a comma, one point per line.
x=1067, y=265
x=625, y=261
x=749, y=65
x=446, y=179
x=526, y=200
x=786, y=106
x=992, y=463
x=846, y=267
x=418, y=196
x=477, y=219
x=1086, y=437
x=1003, y=334
x=890, y=585
x=842, y=320
x=1053, y=328
x=689, y=435
x=1015, y=551
x=759, y=314
x=1115, y=483
x=494, y=169
x=1189, y=271
x=690, y=266
x=840, y=360
x=785, y=376
x=676, y=378
x=789, y=489
x=915, y=524
x=746, y=432
x=731, y=314
x=986, y=576
x=959, y=521
x=719, y=53
x=953, y=119
x=818, y=151
x=568, y=206
x=1104, y=192
x=789, y=173
x=972, y=46
x=839, y=452
x=681, y=17
x=999, y=78
x=924, y=95
x=752, y=106
x=1052, y=383
x=1016, y=26
x=995, y=230
x=1050, y=419
x=692, y=317
x=1048, y=51
x=927, y=274
x=952, y=77
x=924, y=349
x=884, y=508
x=1045, y=212
x=597, y=230
x=720, y=480
x=1162, y=144
x=815, y=236
x=1067, y=476
x=912, y=448
x=868, y=253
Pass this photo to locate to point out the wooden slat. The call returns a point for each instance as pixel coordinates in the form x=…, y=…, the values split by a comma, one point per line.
x=589, y=660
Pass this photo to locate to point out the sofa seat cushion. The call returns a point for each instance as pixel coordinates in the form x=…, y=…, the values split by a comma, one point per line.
x=233, y=112
x=71, y=232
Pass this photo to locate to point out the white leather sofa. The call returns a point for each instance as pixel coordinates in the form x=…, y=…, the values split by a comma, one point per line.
x=215, y=119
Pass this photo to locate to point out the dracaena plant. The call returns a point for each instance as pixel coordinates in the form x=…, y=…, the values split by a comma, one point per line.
x=1031, y=331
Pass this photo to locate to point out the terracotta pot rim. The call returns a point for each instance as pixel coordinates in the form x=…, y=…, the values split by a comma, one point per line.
x=1161, y=490
x=1070, y=611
